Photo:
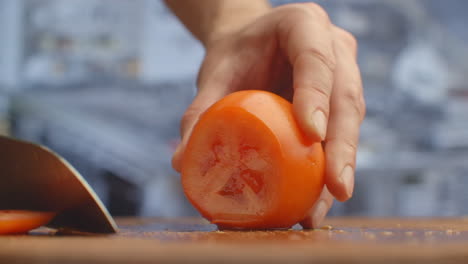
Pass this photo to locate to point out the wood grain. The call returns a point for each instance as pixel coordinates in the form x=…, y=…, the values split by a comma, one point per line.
x=341, y=240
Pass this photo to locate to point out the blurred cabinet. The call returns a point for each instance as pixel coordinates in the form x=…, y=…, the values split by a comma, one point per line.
x=11, y=45
x=104, y=83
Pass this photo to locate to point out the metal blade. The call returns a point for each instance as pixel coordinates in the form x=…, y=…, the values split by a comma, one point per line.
x=33, y=177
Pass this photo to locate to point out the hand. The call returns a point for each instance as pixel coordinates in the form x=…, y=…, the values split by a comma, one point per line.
x=296, y=52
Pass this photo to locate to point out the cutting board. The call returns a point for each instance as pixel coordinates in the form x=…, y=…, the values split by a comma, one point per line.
x=340, y=240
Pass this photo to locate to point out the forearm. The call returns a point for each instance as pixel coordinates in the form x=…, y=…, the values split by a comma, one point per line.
x=207, y=19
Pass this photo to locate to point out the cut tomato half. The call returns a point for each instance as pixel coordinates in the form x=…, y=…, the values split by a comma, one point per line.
x=22, y=221
x=248, y=165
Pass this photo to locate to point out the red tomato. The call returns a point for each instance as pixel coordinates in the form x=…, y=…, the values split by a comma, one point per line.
x=247, y=164
x=20, y=221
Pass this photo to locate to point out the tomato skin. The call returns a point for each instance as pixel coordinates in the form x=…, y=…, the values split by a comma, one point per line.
x=295, y=175
x=22, y=221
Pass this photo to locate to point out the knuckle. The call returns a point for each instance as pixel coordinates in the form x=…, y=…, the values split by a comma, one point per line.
x=295, y=13
x=316, y=90
x=320, y=85
x=359, y=109
x=317, y=10
x=307, y=10
x=347, y=37
x=325, y=58
x=347, y=145
x=355, y=99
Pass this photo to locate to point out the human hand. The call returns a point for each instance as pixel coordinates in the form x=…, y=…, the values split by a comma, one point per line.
x=294, y=51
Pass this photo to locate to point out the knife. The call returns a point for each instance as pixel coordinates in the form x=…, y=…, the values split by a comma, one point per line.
x=32, y=177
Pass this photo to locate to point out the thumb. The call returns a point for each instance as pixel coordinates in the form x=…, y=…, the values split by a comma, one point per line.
x=202, y=101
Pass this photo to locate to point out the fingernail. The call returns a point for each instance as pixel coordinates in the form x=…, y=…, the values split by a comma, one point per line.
x=347, y=178
x=319, y=120
x=320, y=211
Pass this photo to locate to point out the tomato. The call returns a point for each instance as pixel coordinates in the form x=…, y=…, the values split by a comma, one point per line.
x=247, y=165
x=20, y=221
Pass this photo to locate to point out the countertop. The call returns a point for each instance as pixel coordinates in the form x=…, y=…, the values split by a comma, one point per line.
x=340, y=240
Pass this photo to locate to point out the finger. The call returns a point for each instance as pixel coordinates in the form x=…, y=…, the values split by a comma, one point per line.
x=347, y=111
x=313, y=61
x=319, y=211
x=204, y=99
x=212, y=86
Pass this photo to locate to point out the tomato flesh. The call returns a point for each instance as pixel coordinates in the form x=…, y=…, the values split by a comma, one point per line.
x=22, y=221
x=231, y=168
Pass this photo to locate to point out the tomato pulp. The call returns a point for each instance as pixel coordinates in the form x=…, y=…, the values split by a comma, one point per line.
x=247, y=164
x=22, y=221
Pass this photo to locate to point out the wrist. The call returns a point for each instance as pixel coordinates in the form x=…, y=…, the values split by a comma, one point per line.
x=232, y=20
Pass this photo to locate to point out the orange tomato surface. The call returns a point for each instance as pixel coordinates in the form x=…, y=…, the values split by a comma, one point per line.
x=247, y=165
x=21, y=221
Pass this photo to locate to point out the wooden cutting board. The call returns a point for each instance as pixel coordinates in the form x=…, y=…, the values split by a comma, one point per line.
x=341, y=240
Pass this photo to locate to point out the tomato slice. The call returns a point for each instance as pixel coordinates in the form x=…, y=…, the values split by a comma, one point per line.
x=22, y=221
x=248, y=165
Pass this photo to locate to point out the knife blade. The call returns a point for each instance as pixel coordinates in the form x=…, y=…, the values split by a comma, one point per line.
x=32, y=177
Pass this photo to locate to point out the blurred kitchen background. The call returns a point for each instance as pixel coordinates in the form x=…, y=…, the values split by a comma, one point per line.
x=105, y=82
